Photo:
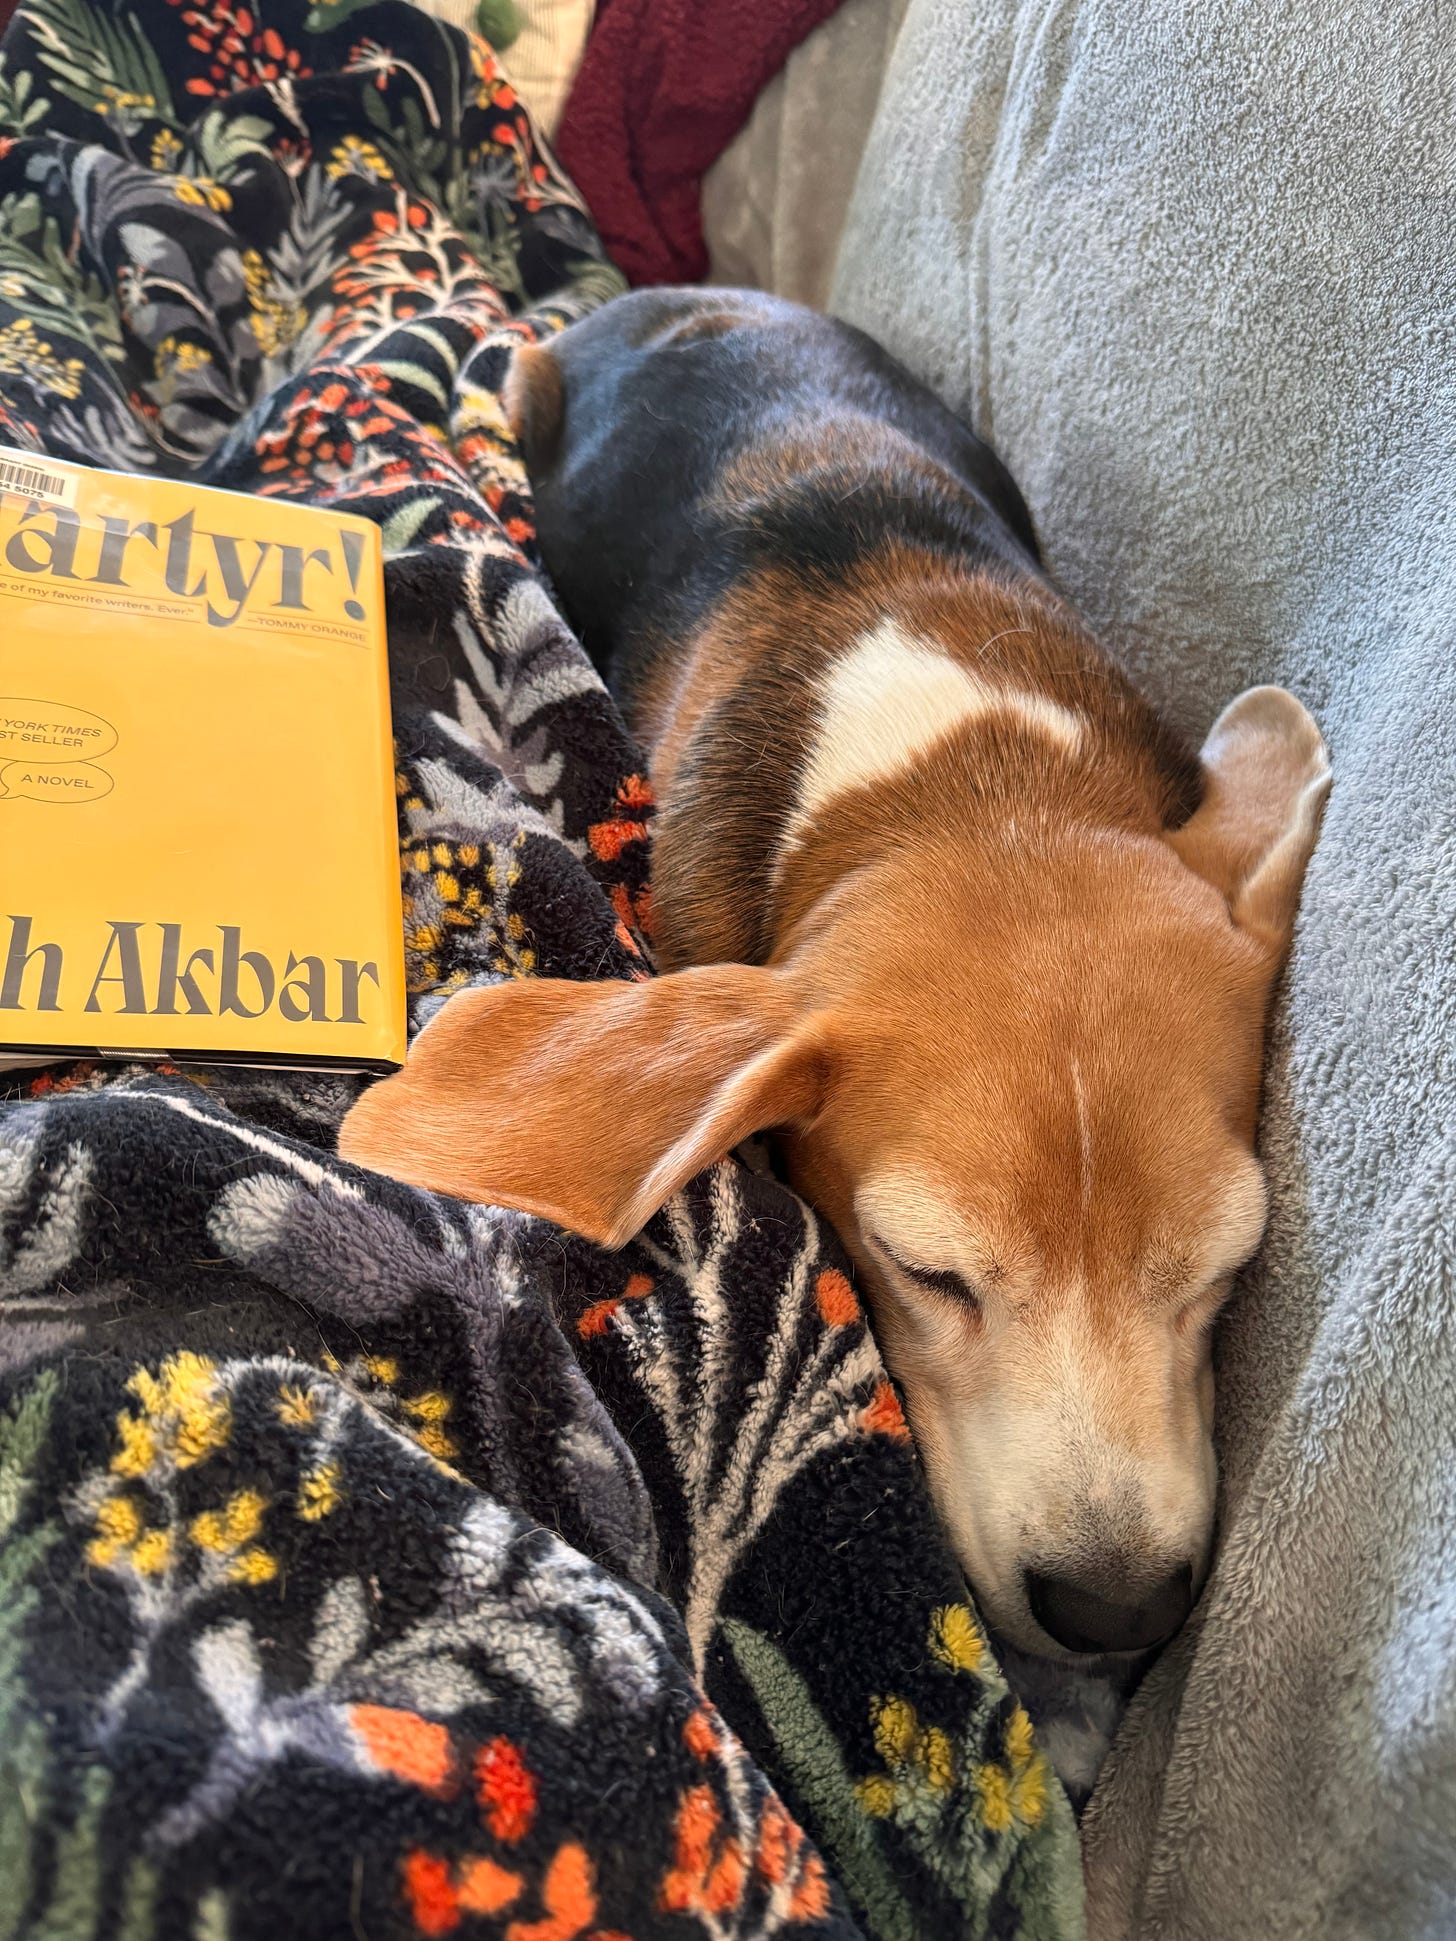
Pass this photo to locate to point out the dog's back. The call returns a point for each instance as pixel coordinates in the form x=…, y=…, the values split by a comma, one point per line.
x=633, y=422
x=748, y=508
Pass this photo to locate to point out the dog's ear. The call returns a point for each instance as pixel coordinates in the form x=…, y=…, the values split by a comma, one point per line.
x=535, y=405
x=590, y=1104
x=1265, y=779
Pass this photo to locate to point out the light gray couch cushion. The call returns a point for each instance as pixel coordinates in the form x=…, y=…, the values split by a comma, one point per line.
x=1191, y=264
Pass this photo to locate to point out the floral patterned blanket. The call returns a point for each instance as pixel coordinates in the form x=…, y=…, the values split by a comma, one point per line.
x=372, y=1564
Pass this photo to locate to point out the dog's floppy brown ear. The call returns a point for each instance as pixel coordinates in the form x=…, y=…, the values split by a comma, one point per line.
x=535, y=404
x=589, y=1104
x=1265, y=779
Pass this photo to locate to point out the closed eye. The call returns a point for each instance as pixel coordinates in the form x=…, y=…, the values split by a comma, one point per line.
x=936, y=1280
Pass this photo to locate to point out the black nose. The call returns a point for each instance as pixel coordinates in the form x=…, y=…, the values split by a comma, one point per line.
x=1086, y=1619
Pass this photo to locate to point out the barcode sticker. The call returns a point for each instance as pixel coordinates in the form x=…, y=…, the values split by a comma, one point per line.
x=34, y=482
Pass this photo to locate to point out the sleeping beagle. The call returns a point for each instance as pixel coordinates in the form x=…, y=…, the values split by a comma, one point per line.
x=938, y=897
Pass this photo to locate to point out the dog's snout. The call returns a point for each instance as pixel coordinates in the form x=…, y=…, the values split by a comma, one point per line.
x=1094, y=1618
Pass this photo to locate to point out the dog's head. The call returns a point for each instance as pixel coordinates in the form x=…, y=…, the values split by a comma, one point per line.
x=1031, y=1120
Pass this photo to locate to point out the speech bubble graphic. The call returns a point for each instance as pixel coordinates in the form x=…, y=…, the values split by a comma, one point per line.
x=54, y=781
x=49, y=733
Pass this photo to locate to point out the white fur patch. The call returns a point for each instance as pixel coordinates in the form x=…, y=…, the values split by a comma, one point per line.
x=890, y=699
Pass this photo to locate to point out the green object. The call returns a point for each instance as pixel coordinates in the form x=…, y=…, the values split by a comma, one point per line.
x=813, y=1760
x=499, y=22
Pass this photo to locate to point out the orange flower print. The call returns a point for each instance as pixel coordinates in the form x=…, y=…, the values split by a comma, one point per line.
x=712, y=1870
x=708, y=1870
x=413, y=1749
x=568, y=1894
x=627, y=822
x=883, y=1416
x=241, y=51
x=429, y=1887
x=486, y=1888
x=440, y=1895
x=634, y=912
x=596, y=1318
x=835, y=1299
x=506, y=1789
x=785, y=1860
x=700, y=1735
x=711, y=1873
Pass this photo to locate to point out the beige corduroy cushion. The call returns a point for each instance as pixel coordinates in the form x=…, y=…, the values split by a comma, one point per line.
x=542, y=61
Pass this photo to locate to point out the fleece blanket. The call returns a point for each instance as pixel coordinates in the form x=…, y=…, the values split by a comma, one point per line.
x=1192, y=265
x=372, y=1564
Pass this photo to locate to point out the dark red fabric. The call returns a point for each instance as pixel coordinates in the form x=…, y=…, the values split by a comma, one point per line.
x=663, y=89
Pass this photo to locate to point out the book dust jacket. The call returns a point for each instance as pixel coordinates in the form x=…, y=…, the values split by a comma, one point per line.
x=198, y=851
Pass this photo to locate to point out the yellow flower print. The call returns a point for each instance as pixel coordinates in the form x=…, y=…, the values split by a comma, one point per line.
x=138, y=1449
x=185, y=1416
x=1019, y=1742
x=276, y=322
x=1030, y=1794
x=202, y=193
x=933, y=1788
x=152, y=1553
x=171, y=356
x=124, y=105
x=355, y=156
x=917, y=1757
x=894, y=1725
x=993, y=1783
x=467, y=911
x=1016, y=1793
x=256, y=274
x=955, y=1639
x=229, y=1533
x=877, y=1795
x=185, y=1411
x=297, y=1407
x=236, y=1523
x=933, y=1755
x=319, y=1492
x=24, y=354
x=497, y=878
x=430, y=1411
x=253, y=1566
x=165, y=150
x=122, y=1537
x=426, y=1414
x=118, y=1525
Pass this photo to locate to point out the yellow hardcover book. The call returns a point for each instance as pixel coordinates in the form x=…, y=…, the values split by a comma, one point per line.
x=198, y=858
